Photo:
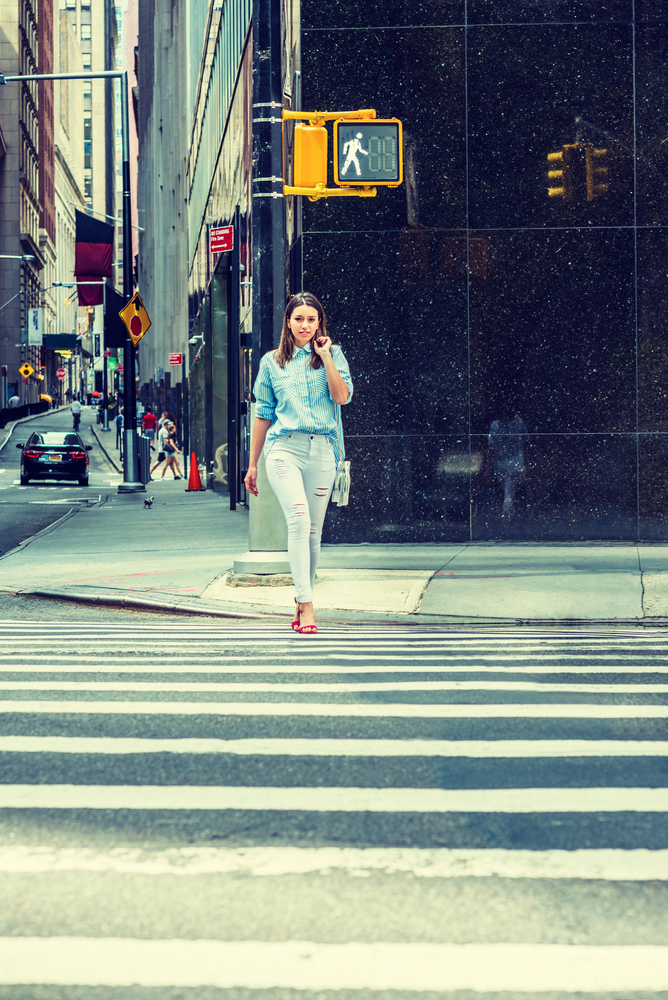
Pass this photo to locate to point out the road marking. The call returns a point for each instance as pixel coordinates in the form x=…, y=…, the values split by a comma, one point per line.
x=335, y=799
x=393, y=710
x=307, y=687
x=191, y=665
x=337, y=748
x=607, y=865
x=304, y=965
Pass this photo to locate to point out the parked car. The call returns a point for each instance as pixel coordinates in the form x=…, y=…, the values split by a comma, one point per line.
x=54, y=456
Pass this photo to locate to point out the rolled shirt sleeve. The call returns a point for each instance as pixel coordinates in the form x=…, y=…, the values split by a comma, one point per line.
x=343, y=370
x=265, y=399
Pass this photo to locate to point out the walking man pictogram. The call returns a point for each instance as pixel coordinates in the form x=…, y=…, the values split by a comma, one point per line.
x=350, y=151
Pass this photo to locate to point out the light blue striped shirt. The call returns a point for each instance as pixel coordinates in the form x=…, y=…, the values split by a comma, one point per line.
x=297, y=397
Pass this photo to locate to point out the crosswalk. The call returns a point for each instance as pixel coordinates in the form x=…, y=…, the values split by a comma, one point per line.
x=233, y=807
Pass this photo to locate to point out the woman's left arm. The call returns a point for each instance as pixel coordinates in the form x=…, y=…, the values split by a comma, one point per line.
x=338, y=387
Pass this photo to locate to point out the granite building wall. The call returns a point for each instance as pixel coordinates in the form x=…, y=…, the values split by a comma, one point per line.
x=509, y=349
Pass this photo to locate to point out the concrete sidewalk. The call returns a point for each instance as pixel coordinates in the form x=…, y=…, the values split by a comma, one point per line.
x=178, y=555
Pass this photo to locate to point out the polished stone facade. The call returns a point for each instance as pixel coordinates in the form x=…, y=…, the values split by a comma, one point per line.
x=509, y=349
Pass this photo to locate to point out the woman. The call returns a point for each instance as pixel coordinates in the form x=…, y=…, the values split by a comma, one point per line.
x=172, y=451
x=296, y=390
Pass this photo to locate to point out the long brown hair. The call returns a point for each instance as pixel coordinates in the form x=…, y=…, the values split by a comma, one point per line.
x=286, y=347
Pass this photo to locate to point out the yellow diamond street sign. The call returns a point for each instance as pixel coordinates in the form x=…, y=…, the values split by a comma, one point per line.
x=136, y=318
x=26, y=369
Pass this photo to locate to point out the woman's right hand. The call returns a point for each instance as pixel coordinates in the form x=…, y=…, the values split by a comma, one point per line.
x=250, y=480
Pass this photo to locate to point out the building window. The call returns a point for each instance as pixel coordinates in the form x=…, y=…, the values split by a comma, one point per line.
x=87, y=61
x=85, y=31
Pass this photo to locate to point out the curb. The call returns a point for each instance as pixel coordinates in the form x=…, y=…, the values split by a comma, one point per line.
x=144, y=604
x=103, y=449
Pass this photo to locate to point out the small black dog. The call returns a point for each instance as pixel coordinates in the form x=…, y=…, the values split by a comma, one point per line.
x=147, y=502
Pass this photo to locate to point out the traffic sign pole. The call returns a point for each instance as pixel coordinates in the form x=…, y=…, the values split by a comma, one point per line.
x=131, y=479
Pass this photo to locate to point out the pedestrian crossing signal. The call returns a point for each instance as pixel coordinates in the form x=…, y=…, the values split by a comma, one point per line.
x=368, y=152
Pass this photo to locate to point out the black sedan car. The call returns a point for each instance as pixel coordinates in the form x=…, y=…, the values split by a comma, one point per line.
x=54, y=456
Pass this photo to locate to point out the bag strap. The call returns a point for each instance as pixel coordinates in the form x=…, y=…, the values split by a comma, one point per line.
x=337, y=421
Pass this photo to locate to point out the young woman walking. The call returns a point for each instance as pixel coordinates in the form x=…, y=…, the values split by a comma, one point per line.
x=296, y=391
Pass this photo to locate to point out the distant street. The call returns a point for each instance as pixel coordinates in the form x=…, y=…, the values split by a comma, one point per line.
x=25, y=510
x=212, y=806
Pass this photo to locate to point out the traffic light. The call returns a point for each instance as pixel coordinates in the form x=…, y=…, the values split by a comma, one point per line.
x=310, y=157
x=560, y=173
x=368, y=152
x=596, y=164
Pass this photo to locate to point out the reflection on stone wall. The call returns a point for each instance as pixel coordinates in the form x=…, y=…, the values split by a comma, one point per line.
x=510, y=350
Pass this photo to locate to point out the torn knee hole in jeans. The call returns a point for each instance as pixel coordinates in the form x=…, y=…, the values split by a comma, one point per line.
x=321, y=491
x=280, y=468
x=299, y=510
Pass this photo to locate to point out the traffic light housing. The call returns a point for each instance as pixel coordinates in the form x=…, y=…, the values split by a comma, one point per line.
x=596, y=164
x=560, y=173
x=368, y=154
x=310, y=157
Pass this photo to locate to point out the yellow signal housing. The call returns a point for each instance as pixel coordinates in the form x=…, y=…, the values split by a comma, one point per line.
x=560, y=173
x=597, y=171
x=310, y=157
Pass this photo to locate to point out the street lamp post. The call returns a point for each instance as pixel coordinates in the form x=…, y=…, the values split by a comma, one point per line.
x=131, y=481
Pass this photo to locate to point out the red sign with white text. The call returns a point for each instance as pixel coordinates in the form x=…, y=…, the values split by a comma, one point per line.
x=221, y=239
x=176, y=359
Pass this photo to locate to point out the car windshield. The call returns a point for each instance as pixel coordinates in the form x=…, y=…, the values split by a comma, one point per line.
x=54, y=440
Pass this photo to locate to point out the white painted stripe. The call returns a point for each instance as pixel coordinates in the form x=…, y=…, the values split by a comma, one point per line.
x=304, y=965
x=337, y=799
x=192, y=666
x=338, y=748
x=606, y=865
x=298, y=647
x=393, y=710
x=309, y=687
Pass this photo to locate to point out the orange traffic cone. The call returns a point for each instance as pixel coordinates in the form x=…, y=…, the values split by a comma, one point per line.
x=194, y=481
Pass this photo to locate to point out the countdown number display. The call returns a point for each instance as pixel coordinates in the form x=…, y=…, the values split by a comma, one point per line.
x=368, y=152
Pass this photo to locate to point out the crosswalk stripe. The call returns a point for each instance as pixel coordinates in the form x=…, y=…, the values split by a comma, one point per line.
x=337, y=747
x=304, y=965
x=335, y=799
x=190, y=665
x=548, y=687
x=605, y=865
x=396, y=710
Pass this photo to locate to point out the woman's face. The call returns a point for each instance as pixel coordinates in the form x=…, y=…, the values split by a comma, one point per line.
x=303, y=324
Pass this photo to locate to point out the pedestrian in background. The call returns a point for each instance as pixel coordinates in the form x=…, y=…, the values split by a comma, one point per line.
x=163, y=435
x=171, y=451
x=297, y=390
x=149, y=423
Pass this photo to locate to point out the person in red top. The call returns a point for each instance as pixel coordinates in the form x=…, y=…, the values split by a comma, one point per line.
x=149, y=422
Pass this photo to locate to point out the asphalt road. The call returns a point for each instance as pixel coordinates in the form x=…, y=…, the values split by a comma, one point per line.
x=25, y=510
x=202, y=810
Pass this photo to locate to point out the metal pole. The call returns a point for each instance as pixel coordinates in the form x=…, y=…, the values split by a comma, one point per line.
x=233, y=362
x=105, y=384
x=131, y=482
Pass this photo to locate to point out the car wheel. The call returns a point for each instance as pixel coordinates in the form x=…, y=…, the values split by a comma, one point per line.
x=24, y=480
x=83, y=481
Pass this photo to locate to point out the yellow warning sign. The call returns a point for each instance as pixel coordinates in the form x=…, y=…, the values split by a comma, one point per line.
x=136, y=318
x=26, y=369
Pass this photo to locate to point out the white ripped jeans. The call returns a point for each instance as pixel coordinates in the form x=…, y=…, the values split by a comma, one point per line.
x=301, y=471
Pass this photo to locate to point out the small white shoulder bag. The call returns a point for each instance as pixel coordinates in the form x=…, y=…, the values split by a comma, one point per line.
x=341, y=490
